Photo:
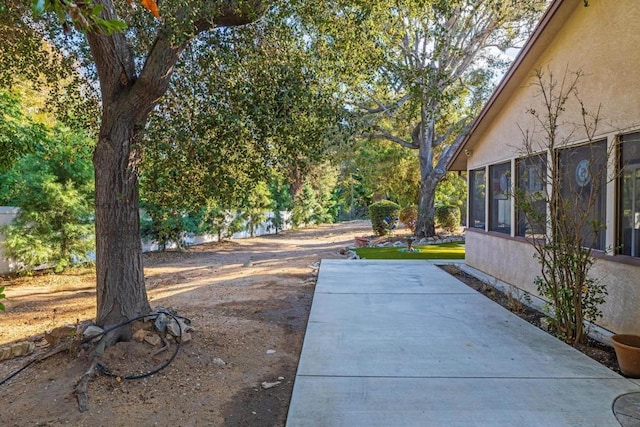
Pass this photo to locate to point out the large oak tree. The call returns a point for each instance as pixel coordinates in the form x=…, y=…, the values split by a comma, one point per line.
x=134, y=67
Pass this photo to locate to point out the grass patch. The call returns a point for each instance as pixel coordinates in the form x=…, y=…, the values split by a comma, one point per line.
x=439, y=251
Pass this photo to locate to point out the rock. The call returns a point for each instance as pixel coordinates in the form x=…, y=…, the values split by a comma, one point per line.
x=219, y=362
x=54, y=336
x=153, y=339
x=271, y=352
x=93, y=331
x=22, y=348
x=173, y=329
x=161, y=323
x=5, y=353
x=280, y=378
x=139, y=335
x=266, y=385
x=398, y=244
x=184, y=338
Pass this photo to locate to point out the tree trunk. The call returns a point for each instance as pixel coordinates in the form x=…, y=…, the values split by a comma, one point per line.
x=121, y=290
x=425, y=224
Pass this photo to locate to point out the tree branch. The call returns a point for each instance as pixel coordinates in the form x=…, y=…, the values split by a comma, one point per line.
x=386, y=135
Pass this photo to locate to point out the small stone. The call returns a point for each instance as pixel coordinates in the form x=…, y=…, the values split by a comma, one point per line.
x=271, y=351
x=266, y=385
x=185, y=338
x=139, y=335
x=5, y=353
x=93, y=331
x=175, y=327
x=280, y=378
x=22, y=348
x=153, y=339
x=161, y=323
x=219, y=362
x=56, y=335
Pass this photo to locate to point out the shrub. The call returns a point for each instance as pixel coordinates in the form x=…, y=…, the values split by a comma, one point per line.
x=448, y=217
x=409, y=216
x=383, y=214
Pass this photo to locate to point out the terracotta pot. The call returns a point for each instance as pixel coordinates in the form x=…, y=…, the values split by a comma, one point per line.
x=627, y=349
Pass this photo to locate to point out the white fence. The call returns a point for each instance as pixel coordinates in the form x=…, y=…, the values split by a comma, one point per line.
x=7, y=214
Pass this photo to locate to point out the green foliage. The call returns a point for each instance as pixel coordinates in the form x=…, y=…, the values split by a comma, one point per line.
x=408, y=217
x=388, y=170
x=219, y=220
x=383, y=214
x=306, y=208
x=448, y=217
x=280, y=202
x=255, y=206
x=19, y=134
x=166, y=225
x=2, y=296
x=452, y=191
x=54, y=190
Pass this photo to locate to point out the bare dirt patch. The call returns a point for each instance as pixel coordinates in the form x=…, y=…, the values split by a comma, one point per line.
x=248, y=301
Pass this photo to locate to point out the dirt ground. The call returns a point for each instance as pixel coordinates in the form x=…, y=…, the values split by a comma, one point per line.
x=248, y=301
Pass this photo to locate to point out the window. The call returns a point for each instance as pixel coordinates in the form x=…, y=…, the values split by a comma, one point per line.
x=629, y=203
x=532, y=195
x=477, y=191
x=583, y=179
x=499, y=198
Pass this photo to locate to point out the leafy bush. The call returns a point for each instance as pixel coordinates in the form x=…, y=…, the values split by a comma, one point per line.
x=409, y=216
x=53, y=188
x=448, y=217
x=166, y=225
x=379, y=211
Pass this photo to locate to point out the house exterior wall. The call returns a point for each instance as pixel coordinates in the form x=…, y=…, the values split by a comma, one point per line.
x=512, y=261
x=600, y=41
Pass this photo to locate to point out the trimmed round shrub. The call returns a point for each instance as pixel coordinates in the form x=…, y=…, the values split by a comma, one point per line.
x=384, y=216
x=408, y=216
x=448, y=217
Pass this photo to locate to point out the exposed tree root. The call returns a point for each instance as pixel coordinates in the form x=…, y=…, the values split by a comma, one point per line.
x=83, y=385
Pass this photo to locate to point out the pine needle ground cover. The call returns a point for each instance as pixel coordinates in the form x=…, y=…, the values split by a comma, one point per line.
x=439, y=251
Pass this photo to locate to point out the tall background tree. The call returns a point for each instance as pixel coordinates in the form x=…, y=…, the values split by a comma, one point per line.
x=420, y=70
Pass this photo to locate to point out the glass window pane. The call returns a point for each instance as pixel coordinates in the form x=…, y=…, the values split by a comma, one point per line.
x=583, y=179
x=477, y=191
x=499, y=198
x=532, y=195
x=629, y=203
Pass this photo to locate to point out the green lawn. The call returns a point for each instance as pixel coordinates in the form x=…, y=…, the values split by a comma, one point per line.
x=440, y=251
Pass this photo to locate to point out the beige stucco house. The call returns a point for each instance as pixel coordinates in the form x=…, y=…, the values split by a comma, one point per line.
x=600, y=38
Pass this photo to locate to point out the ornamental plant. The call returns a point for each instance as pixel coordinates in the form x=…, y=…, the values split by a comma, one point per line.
x=384, y=215
x=448, y=217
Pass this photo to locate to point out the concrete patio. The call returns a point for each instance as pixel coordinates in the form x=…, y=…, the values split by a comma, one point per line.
x=402, y=343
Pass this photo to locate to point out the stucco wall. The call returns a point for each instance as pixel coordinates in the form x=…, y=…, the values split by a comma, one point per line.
x=600, y=40
x=504, y=259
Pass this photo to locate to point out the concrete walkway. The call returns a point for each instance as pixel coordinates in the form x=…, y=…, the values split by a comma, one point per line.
x=405, y=344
